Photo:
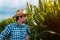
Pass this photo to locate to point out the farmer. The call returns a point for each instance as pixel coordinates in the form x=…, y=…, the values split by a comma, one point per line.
x=18, y=30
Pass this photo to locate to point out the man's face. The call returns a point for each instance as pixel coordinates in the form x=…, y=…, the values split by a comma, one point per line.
x=22, y=18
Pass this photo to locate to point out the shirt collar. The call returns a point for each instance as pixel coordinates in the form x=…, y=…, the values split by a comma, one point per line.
x=19, y=25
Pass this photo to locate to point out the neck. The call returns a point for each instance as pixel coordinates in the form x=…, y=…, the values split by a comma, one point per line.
x=19, y=22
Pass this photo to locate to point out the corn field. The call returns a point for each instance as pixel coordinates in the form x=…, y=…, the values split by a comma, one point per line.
x=44, y=20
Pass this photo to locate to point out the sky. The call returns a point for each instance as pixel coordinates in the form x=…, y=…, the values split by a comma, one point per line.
x=8, y=7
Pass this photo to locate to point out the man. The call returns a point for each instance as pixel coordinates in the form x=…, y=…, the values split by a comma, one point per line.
x=18, y=30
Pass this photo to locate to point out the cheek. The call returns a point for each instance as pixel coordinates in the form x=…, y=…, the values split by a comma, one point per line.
x=23, y=19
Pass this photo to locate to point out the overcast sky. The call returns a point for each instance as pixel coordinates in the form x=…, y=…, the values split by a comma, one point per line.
x=9, y=7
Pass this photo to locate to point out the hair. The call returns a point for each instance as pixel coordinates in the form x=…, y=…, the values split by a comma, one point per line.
x=17, y=18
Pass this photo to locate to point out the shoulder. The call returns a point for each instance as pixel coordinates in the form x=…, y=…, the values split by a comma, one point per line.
x=10, y=25
x=27, y=26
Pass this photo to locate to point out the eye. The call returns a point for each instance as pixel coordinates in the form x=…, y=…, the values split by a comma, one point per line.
x=21, y=16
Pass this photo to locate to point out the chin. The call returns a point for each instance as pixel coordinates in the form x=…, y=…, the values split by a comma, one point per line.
x=24, y=21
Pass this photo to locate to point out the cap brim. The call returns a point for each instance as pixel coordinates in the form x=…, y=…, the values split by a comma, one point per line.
x=20, y=15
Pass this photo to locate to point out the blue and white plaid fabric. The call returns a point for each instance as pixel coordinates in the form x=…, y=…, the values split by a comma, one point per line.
x=15, y=32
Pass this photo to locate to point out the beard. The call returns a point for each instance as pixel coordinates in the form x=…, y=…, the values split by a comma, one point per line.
x=24, y=21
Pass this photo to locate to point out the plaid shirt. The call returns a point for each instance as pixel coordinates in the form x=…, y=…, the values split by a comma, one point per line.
x=15, y=32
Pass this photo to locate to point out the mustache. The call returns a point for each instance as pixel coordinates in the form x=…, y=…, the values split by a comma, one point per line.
x=24, y=21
